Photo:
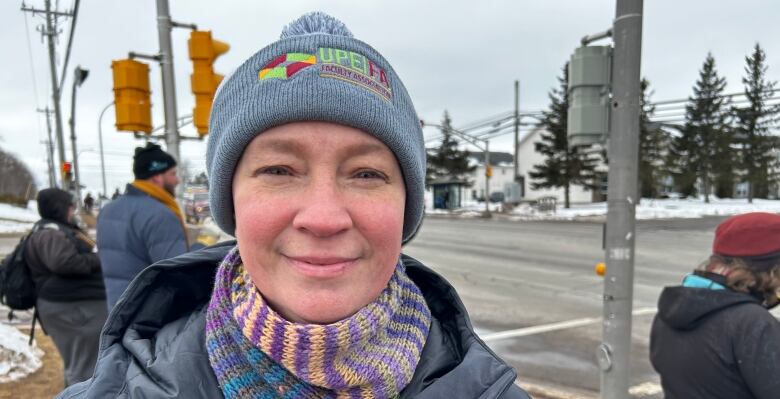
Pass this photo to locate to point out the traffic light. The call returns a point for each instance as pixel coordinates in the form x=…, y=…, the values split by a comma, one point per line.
x=589, y=95
x=489, y=171
x=132, y=96
x=67, y=175
x=203, y=51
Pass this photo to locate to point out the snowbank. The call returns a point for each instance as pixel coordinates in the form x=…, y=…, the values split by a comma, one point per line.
x=19, y=214
x=14, y=219
x=658, y=209
x=647, y=209
x=17, y=359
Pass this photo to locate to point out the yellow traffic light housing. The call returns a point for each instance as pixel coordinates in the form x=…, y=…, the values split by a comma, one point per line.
x=132, y=96
x=203, y=51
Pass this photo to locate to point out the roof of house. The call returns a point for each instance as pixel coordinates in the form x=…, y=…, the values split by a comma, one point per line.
x=496, y=158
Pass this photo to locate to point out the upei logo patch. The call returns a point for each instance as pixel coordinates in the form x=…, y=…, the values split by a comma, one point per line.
x=344, y=65
x=354, y=68
x=286, y=65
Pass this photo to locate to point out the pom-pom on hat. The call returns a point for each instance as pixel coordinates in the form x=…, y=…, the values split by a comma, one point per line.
x=316, y=71
x=754, y=237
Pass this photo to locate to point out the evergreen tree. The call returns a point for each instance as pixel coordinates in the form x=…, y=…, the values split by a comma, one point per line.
x=563, y=166
x=448, y=161
x=653, y=144
x=702, y=150
x=752, y=127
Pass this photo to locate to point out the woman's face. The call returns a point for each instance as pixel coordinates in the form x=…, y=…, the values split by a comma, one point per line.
x=319, y=211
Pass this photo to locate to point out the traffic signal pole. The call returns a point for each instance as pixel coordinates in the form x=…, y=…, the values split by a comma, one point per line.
x=614, y=352
x=164, y=27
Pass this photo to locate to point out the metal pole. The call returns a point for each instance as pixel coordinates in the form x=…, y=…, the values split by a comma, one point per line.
x=73, y=143
x=487, y=179
x=164, y=27
x=55, y=88
x=614, y=352
x=100, y=141
x=517, y=130
x=50, y=150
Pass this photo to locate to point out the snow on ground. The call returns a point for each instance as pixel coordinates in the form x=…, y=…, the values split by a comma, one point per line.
x=657, y=209
x=647, y=209
x=17, y=359
x=14, y=219
x=29, y=214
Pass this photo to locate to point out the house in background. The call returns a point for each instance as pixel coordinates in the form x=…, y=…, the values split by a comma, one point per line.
x=528, y=157
x=502, y=181
x=503, y=173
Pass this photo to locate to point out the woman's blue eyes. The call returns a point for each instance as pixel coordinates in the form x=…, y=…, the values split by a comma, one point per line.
x=369, y=174
x=284, y=171
x=276, y=171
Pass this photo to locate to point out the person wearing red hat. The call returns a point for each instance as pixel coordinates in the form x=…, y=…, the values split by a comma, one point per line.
x=713, y=336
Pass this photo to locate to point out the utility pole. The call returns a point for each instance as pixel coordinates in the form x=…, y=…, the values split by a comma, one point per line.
x=100, y=141
x=164, y=27
x=51, y=33
x=614, y=352
x=49, y=149
x=488, y=173
x=517, y=130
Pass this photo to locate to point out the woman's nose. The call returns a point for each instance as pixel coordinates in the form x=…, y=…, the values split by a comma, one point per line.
x=325, y=212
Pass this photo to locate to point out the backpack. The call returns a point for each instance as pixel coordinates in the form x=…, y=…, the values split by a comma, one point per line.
x=17, y=288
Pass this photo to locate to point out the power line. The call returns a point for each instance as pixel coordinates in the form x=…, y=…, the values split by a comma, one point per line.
x=686, y=100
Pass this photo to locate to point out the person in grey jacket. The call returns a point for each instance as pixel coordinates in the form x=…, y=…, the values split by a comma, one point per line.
x=143, y=226
x=317, y=166
x=71, y=301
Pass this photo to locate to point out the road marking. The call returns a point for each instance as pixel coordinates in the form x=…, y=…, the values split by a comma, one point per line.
x=645, y=389
x=561, y=325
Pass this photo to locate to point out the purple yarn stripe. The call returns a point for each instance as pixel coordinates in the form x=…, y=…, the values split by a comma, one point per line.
x=302, y=354
x=332, y=376
x=259, y=327
x=252, y=300
x=277, y=346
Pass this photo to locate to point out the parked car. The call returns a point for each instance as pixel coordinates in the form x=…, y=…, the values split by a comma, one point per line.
x=196, y=206
x=497, y=196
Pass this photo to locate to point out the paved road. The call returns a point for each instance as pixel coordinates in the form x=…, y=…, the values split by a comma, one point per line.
x=518, y=274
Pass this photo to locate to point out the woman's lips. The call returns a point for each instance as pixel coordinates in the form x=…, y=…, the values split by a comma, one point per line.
x=321, y=266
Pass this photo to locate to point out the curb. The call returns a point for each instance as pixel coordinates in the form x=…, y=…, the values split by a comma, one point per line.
x=539, y=391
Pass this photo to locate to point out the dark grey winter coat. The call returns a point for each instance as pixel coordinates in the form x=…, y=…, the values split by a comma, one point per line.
x=133, y=232
x=63, y=267
x=713, y=344
x=153, y=345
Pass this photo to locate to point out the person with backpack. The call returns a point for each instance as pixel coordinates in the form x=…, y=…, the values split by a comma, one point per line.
x=71, y=304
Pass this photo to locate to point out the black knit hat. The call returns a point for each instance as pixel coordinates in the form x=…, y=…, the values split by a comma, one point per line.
x=151, y=160
x=53, y=203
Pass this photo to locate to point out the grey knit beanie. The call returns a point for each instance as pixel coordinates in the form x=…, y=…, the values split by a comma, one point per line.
x=316, y=71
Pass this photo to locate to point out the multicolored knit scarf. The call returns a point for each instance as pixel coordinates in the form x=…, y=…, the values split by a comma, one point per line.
x=255, y=353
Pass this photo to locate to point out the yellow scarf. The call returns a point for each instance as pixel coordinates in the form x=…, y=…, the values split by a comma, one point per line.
x=165, y=197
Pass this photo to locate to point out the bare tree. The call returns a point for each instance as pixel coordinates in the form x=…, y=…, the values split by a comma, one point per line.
x=17, y=185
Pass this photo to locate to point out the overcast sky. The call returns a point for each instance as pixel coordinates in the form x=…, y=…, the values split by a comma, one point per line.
x=462, y=56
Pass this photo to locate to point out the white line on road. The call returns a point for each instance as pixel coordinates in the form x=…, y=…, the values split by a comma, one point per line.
x=561, y=325
x=645, y=389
